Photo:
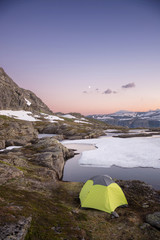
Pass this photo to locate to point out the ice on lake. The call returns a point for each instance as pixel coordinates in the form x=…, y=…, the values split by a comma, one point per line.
x=122, y=152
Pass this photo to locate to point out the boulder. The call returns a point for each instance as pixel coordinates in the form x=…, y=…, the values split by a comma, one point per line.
x=17, y=230
x=50, y=153
x=16, y=132
x=48, y=128
x=154, y=219
x=70, y=131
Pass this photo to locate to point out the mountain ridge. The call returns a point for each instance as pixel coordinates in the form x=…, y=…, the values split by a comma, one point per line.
x=15, y=98
x=148, y=119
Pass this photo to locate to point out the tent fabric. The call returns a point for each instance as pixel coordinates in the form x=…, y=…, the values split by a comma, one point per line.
x=102, y=180
x=102, y=197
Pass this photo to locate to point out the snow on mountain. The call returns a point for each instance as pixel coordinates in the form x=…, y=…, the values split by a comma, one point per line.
x=69, y=116
x=29, y=116
x=22, y=115
x=81, y=121
x=123, y=113
x=51, y=118
x=131, y=119
x=28, y=102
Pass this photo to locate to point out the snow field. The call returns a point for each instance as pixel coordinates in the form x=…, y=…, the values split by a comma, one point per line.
x=128, y=152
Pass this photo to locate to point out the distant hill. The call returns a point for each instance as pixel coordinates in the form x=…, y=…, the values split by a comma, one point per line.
x=150, y=119
x=12, y=97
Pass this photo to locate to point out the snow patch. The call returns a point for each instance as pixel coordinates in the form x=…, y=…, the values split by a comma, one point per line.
x=84, y=119
x=51, y=118
x=28, y=102
x=80, y=121
x=69, y=116
x=21, y=114
x=10, y=148
x=29, y=116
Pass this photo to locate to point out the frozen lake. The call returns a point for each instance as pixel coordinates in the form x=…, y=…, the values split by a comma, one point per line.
x=130, y=158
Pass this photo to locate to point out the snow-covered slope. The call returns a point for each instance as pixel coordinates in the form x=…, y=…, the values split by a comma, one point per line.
x=29, y=116
x=131, y=119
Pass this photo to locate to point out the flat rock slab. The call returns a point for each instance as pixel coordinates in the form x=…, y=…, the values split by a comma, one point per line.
x=15, y=231
x=154, y=219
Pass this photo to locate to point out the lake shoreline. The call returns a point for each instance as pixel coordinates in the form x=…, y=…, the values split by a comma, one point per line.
x=74, y=172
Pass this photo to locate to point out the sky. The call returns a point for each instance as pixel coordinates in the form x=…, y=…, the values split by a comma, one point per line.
x=86, y=56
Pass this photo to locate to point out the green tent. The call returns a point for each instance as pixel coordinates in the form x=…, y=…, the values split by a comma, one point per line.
x=102, y=193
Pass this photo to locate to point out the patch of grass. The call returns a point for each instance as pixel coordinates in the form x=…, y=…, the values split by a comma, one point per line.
x=3, y=162
x=4, y=117
x=11, y=165
x=33, y=149
x=50, y=219
x=68, y=120
x=56, y=215
x=81, y=216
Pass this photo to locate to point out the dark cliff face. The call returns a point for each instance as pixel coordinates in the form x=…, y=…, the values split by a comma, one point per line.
x=15, y=98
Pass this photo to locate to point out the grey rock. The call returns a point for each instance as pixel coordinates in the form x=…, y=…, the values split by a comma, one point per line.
x=15, y=231
x=70, y=131
x=8, y=172
x=46, y=152
x=57, y=229
x=49, y=128
x=15, y=98
x=17, y=133
x=154, y=219
x=2, y=144
x=51, y=154
x=144, y=226
x=114, y=215
x=145, y=205
x=59, y=137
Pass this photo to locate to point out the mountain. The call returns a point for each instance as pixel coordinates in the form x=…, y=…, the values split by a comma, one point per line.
x=15, y=98
x=150, y=119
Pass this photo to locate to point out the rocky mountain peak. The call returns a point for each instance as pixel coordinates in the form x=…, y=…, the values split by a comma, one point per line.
x=15, y=98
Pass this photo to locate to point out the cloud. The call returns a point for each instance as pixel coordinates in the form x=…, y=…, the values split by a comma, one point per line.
x=97, y=90
x=129, y=85
x=108, y=91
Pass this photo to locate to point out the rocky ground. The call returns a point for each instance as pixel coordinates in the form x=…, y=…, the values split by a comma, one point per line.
x=19, y=132
x=16, y=132
x=71, y=130
x=54, y=212
x=36, y=205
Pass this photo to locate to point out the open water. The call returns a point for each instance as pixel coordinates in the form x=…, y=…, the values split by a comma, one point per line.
x=75, y=172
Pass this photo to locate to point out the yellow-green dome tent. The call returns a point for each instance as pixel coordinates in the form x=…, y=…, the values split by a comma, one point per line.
x=102, y=193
